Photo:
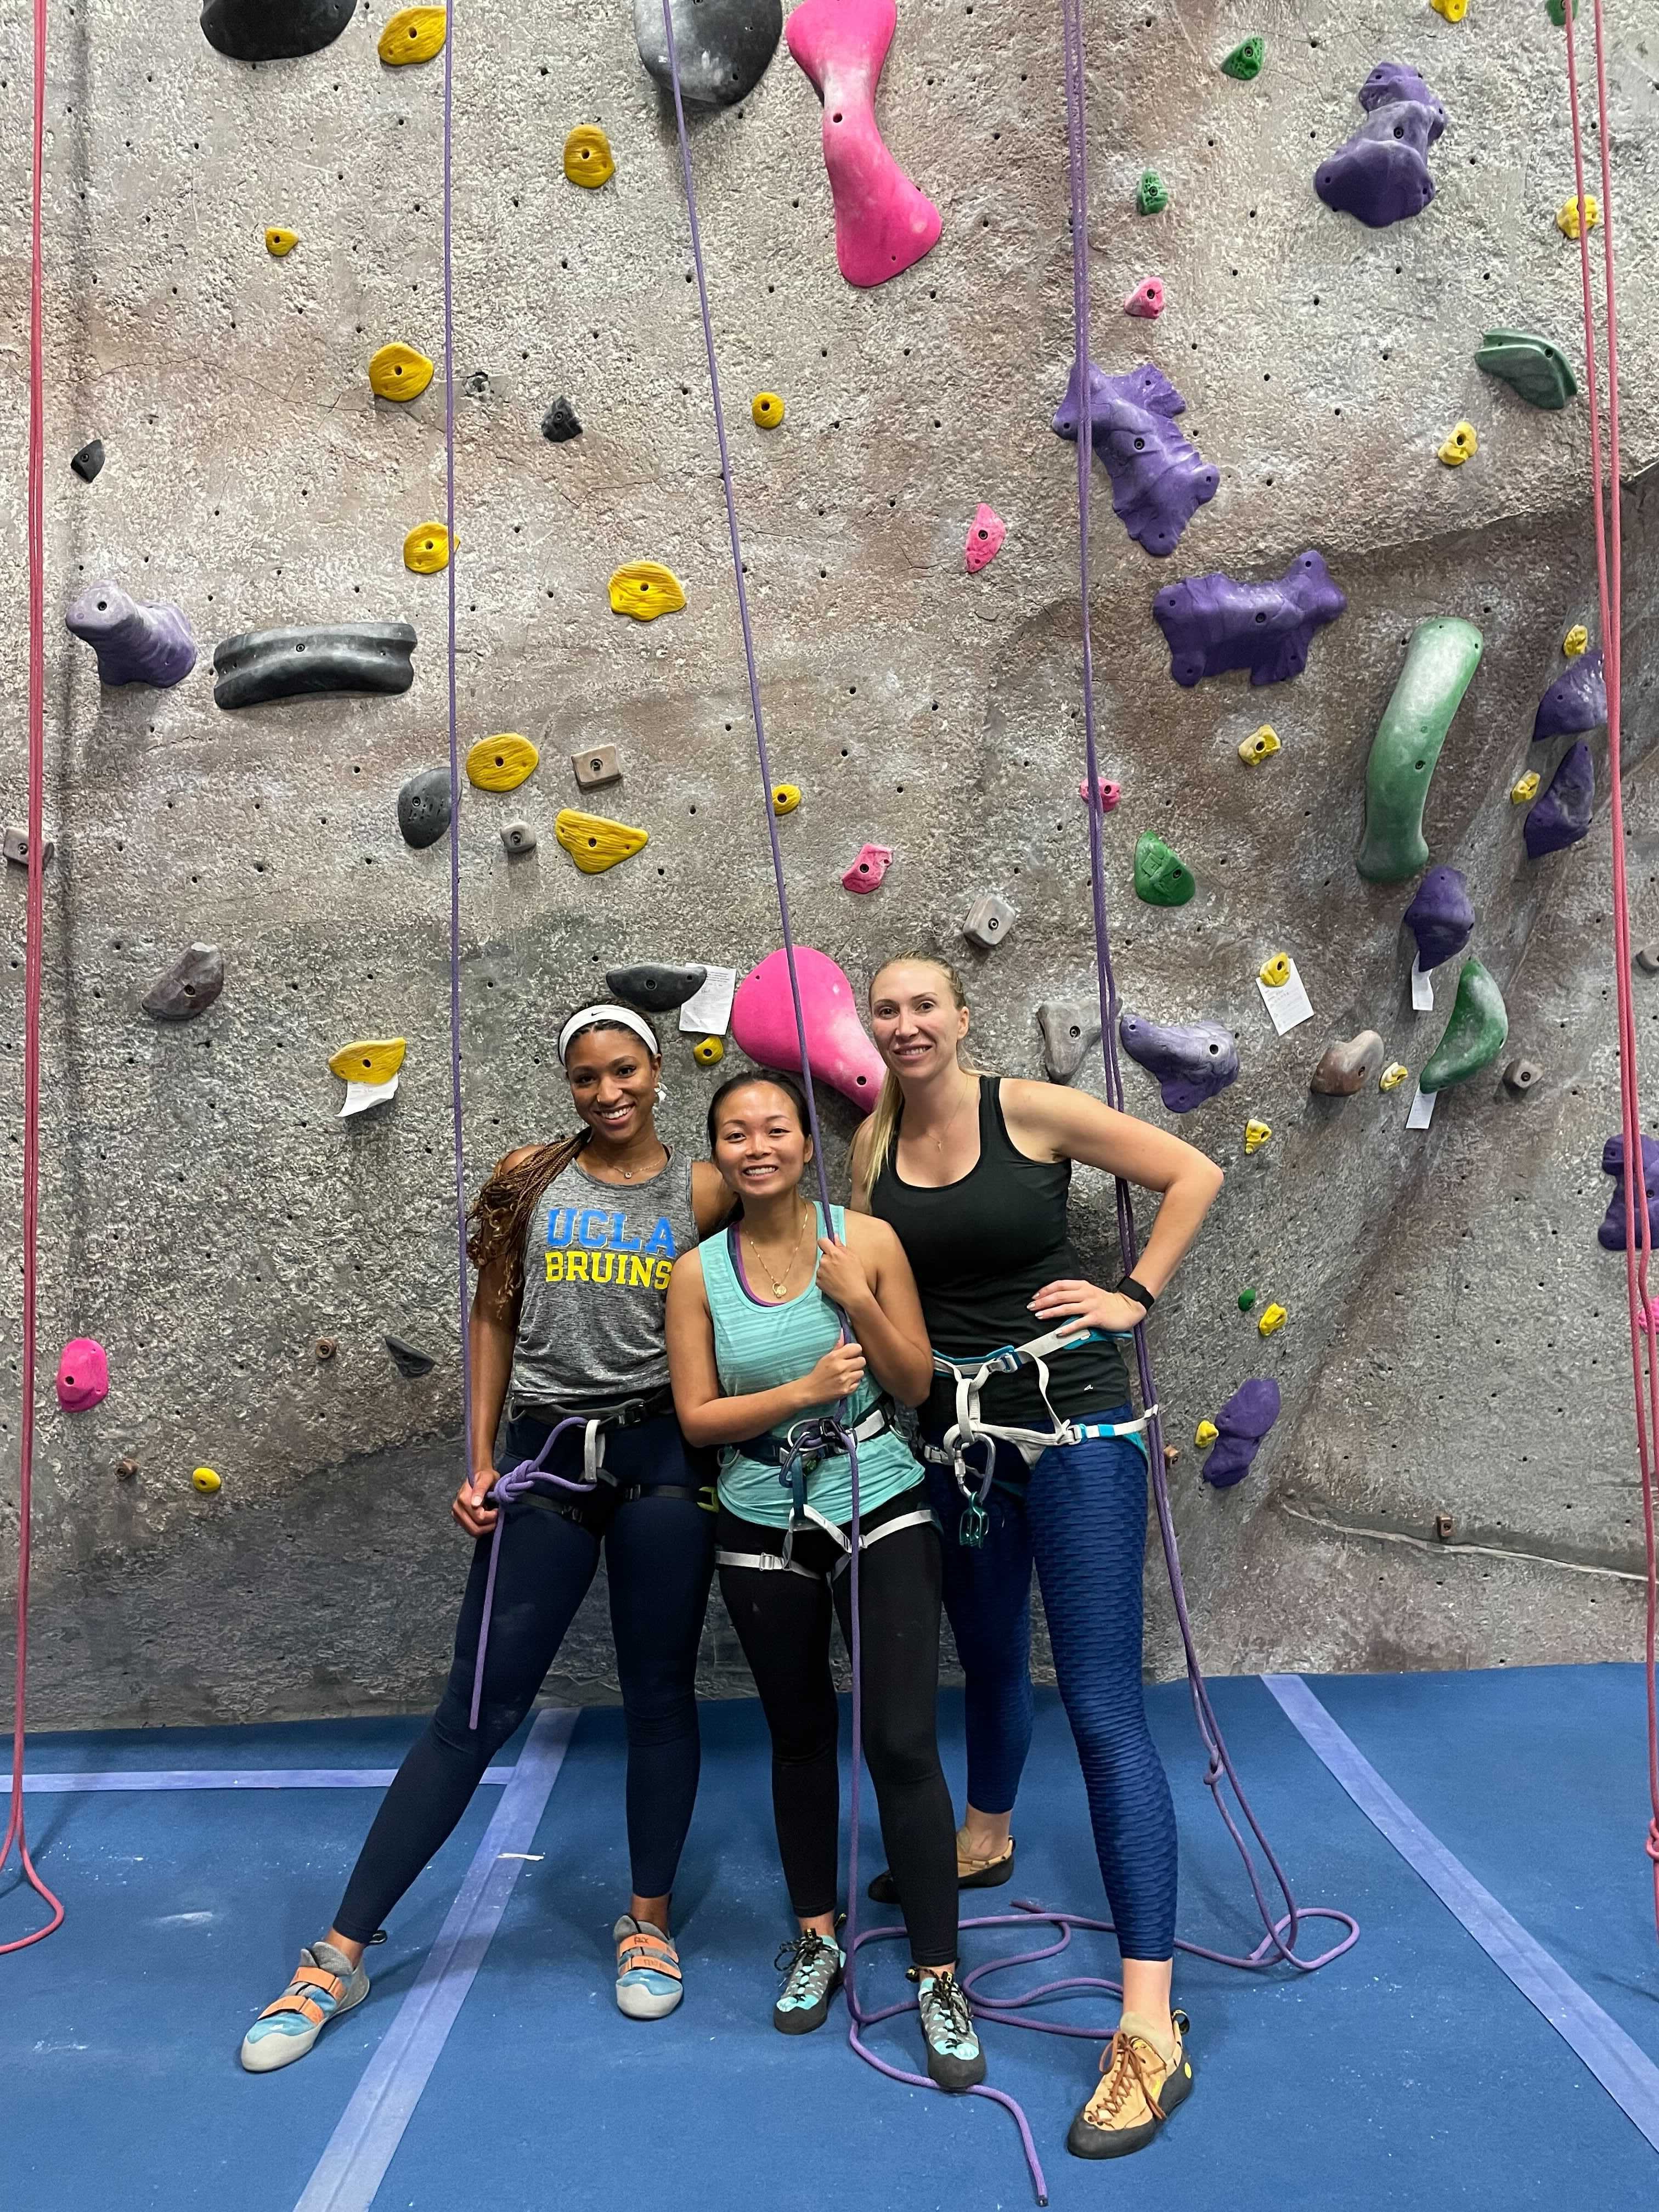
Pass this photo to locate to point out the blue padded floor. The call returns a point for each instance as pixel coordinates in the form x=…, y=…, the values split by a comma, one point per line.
x=1409, y=2074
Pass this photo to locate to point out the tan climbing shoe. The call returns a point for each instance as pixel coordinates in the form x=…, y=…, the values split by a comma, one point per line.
x=1138, y=2088
x=972, y=1872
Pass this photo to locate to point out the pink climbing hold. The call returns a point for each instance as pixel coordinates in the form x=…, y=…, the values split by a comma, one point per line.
x=764, y=1025
x=1110, y=794
x=1146, y=300
x=867, y=871
x=82, y=1375
x=985, y=537
x=883, y=222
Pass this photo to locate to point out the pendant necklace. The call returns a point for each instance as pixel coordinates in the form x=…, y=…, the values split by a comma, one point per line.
x=779, y=1289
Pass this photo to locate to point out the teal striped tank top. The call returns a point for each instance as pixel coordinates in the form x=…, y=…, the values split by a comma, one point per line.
x=756, y=1347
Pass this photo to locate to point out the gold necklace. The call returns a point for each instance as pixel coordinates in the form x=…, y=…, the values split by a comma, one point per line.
x=938, y=1142
x=779, y=1289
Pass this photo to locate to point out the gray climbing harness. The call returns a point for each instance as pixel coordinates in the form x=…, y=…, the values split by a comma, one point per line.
x=796, y=1454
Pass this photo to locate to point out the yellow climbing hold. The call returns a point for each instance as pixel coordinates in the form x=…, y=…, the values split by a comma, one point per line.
x=414, y=34
x=1393, y=1075
x=501, y=762
x=1256, y=1134
x=786, y=797
x=279, y=241
x=595, y=844
x=1458, y=447
x=1524, y=790
x=206, y=1481
x=767, y=408
x=1259, y=746
x=1272, y=1321
x=397, y=372
x=1567, y=215
x=1205, y=1435
x=645, y=589
x=709, y=1053
x=1575, y=641
x=426, y=548
x=371, y=1059
x=587, y=156
x=1276, y=972
x=1453, y=11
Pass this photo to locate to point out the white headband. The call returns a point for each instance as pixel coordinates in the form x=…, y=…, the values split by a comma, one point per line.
x=611, y=1016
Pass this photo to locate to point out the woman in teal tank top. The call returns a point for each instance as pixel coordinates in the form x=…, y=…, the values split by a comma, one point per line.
x=756, y=1351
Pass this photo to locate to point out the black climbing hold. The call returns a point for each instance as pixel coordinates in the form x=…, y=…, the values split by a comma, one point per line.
x=409, y=1359
x=87, y=463
x=477, y=383
x=290, y=663
x=274, y=30
x=423, y=807
x=559, y=422
x=722, y=46
x=657, y=989
x=190, y=986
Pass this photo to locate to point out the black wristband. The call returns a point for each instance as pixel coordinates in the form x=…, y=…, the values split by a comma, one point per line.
x=1129, y=1288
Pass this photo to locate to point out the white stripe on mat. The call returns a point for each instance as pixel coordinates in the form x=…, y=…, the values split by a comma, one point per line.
x=227, y=1778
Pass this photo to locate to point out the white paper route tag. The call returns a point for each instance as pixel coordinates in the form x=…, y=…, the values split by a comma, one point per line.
x=360, y=1096
x=707, y=1012
x=1287, y=1003
x=1422, y=1111
x=1422, y=991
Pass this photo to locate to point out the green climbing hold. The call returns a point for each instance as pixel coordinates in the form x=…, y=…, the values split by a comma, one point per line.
x=1246, y=1300
x=1443, y=654
x=1245, y=60
x=1152, y=195
x=1559, y=13
x=1162, y=878
x=1538, y=370
x=1479, y=1023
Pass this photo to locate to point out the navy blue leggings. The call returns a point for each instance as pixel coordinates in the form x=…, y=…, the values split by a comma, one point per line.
x=1080, y=1516
x=659, y=1556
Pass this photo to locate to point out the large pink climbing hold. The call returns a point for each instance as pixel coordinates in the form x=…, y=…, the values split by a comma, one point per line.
x=867, y=871
x=883, y=222
x=1146, y=300
x=82, y=1375
x=764, y=1025
x=985, y=537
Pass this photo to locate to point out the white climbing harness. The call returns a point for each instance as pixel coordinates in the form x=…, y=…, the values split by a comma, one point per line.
x=803, y=1447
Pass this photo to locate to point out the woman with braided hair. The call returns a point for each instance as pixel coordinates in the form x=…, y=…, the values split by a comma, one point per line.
x=576, y=1243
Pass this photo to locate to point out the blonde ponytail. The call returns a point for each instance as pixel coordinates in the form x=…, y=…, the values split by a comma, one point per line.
x=883, y=1124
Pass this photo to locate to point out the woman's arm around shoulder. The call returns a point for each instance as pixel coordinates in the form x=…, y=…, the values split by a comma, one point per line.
x=712, y=1198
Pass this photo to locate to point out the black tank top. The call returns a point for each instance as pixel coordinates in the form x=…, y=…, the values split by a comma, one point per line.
x=980, y=1250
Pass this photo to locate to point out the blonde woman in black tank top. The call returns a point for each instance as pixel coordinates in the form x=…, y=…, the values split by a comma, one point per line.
x=973, y=1172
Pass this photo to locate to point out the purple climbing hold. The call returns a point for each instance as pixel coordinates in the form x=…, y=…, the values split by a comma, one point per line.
x=1241, y=1425
x=1563, y=815
x=1575, y=702
x=1160, y=478
x=1191, y=1063
x=1610, y=1234
x=1213, y=624
x=1381, y=174
x=1440, y=917
x=134, y=644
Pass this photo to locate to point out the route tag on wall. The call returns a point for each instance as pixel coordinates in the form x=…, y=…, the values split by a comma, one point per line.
x=1422, y=991
x=1422, y=1111
x=707, y=1013
x=1287, y=1003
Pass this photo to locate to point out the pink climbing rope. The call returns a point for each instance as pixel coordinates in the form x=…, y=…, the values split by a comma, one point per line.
x=15, y=1831
x=1609, y=578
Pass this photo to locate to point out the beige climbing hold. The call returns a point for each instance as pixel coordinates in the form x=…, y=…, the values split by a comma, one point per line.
x=1460, y=446
x=501, y=762
x=1256, y=1134
x=370, y=1060
x=414, y=34
x=767, y=408
x=1524, y=789
x=206, y=1481
x=1575, y=641
x=587, y=156
x=709, y=1053
x=397, y=372
x=1567, y=215
x=1393, y=1075
x=786, y=797
x=279, y=241
x=645, y=589
x=426, y=548
x=595, y=844
x=1205, y=1435
x=1259, y=746
x=1271, y=1320
x=1276, y=973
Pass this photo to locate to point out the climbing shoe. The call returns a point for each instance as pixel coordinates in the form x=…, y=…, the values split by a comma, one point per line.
x=812, y=1968
x=954, y=2060
x=326, y=1984
x=1140, y=2086
x=648, y=1983
x=972, y=1872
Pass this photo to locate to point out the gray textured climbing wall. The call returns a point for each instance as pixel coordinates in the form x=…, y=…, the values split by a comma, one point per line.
x=1453, y=1356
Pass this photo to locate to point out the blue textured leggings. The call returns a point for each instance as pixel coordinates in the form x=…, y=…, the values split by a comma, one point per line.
x=1080, y=1516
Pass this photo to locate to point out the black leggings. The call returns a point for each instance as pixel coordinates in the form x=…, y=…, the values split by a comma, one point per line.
x=660, y=1556
x=782, y=1621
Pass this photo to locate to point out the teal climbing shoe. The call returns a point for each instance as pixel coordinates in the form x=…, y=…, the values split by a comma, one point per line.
x=326, y=1984
x=811, y=1967
x=954, y=2060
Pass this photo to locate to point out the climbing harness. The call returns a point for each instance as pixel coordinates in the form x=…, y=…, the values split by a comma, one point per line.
x=1609, y=577
x=803, y=1448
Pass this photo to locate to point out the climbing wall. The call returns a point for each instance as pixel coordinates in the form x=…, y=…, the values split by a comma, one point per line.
x=1450, y=1480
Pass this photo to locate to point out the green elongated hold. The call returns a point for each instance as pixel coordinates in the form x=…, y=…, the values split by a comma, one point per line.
x=1475, y=1034
x=1443, y=654
x=1162, y=878
x=1245, y=60
x=1152, y=194
x=1538, y=370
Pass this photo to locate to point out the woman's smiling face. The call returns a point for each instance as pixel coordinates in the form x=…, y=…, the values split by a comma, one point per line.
x=914, y=1019
x=613, y=1081
x=760, y=1147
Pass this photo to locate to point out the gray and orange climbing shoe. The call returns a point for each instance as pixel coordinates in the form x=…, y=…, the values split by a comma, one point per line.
x=648, y=1983
x=811, y=1966
x=326, y=1984
x=973, y=1871
x=954, y=2060
x=1140, y=2085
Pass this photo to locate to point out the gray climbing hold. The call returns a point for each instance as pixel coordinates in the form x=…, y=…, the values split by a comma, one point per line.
x=423, y=807
x=1347, y=1067
x=410, y=1359
x=274, y=30
x=989, y=921
x=1648, y=960
x=597, y=766
x=190, y=986
x=258, y=664
x=1192, y=1061
x=656, y=988
x=1521, y=1075
x=722, y=46
x=87, y=463
x=518, y=837
x=15, y=845
x=1070, y=1034
x=134, y=643
x=560, y=423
